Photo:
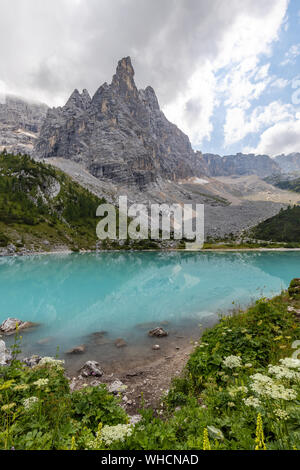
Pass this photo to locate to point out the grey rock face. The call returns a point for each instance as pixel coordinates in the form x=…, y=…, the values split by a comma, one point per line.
x=5, y=356
x=10, y=325
x=289, y=163
x=120, y=134
x=20, y=123
x=240, y=164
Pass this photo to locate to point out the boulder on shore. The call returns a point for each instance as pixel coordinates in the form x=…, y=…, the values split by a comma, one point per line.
x=117, y=387
x=5, y=356
x=158, y=332
x=32, y=360
x=10, y=325
x=91, y=369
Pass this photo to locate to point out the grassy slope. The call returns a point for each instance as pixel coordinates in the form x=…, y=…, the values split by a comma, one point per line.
x=283, y=227
x=209, y=397
x=29, y=214
x=291, y=185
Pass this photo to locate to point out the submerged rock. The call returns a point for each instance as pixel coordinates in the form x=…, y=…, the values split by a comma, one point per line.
x=156, y=347
x=158, y=332
x=120, y=343
x=10, y=325
x=91, y=368
x=77, y=350
x=43, y=341
x=5, y=355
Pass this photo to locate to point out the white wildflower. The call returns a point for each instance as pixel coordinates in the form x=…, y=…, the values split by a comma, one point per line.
x=282, y=372
x=109, y=434
x=281, y=414
x=252, y=401
x=290, y=362
x=263, y=385
x=41, y=383
x=29, y=402
x=51, y=362
x=232, y=362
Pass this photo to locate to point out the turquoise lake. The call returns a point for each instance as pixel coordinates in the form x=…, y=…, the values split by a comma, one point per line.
x=72, y=296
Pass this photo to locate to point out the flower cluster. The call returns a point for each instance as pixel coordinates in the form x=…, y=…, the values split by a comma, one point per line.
x=232, y=362
x=263, y=385
x=115, y=433
x=41, y=383
x=281, y=414
x=51, y=362
x=290, y=362
x=252, y=401
x=282, y=372
x=29, y=402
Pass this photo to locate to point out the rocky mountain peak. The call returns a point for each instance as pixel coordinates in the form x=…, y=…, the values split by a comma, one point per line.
x=123, y=80
x=79, y=100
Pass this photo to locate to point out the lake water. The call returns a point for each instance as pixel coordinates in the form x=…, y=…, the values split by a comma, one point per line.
x=73, y=296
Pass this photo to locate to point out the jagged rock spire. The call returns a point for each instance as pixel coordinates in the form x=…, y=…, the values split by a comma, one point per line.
x=123, y=80
x=78, y=100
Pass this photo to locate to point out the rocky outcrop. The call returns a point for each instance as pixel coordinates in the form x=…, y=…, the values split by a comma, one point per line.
x=20, y=123
x=11, y=325
x=120, y=134
x=289, y=163
x=240, y=164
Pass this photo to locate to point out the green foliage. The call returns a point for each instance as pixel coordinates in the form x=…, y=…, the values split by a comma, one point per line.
x=38, y=411
x=93, y=405
x=283, y=227
x=30, y=210
x=290, y=185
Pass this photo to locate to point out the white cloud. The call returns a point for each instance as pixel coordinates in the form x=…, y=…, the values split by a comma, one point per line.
x=238, y=124
x=291, y=55
x=179, y=47
x=280, y=83
x=283, y=137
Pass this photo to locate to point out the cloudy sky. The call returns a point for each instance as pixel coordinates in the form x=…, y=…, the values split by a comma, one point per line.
x=226, y=72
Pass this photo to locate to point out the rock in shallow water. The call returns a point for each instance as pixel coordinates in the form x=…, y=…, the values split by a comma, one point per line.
x=120, y=343
x=158, y=332
x=77, y=350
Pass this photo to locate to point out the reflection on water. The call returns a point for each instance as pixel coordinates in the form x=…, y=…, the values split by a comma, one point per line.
x=72, y=296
